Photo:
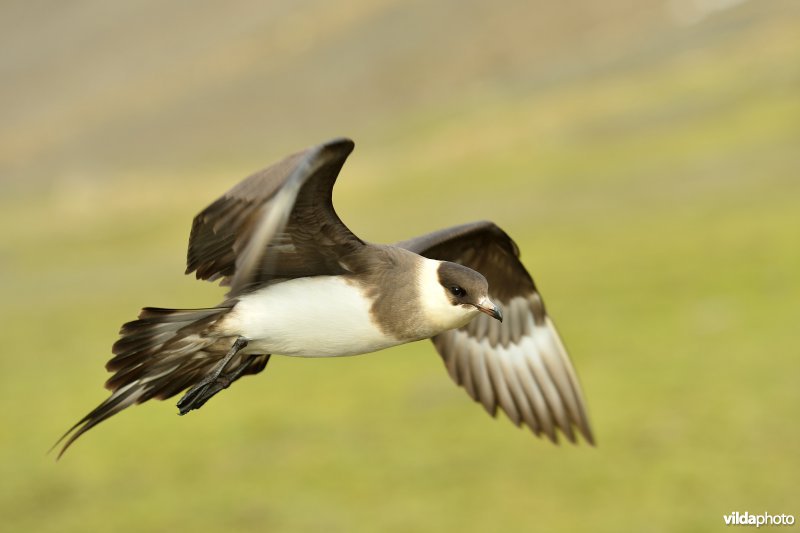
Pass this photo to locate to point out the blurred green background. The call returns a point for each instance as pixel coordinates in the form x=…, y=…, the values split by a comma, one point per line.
x=644, y=155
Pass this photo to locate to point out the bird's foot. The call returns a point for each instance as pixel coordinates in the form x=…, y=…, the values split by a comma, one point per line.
x=208, y=387
x=214, y=382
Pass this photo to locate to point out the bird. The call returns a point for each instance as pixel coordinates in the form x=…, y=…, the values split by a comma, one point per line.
x=302, y=284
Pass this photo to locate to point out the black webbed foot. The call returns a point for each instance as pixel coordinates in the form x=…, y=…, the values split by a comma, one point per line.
x=203, y=391
x=214, y=382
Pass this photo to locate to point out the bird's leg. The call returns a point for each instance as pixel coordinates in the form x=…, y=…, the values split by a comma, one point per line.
x=225, y=380
x=214, y=382
x=222, y=382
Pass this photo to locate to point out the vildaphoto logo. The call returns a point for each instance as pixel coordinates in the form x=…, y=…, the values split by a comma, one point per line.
x=746, y=519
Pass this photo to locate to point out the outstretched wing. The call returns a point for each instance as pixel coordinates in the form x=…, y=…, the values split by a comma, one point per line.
x=520, y=364
x=277, y=223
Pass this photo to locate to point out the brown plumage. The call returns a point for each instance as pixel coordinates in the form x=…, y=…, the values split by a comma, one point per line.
x=230, y=239
x=278, y=227
x=519, y=365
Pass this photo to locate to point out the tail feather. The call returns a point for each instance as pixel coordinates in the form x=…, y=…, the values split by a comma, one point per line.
x=162, y=353
x=119, y=400
x=155, y=328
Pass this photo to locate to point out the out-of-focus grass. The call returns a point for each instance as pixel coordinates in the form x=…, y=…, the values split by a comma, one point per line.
x=657, y=210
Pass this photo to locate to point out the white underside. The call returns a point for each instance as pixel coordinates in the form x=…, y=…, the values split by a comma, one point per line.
x=323, y=316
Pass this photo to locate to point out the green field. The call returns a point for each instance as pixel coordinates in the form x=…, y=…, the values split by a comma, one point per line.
x=654, y=192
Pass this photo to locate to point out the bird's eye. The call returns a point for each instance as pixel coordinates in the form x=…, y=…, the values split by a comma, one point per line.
x=455, y=290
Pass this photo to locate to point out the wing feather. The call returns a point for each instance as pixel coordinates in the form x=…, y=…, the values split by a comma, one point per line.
x=520, y=365
x=504, y=399
x=277, y=223
x=484, y=389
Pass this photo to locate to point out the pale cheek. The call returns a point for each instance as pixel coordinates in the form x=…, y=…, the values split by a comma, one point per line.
x=466, y=313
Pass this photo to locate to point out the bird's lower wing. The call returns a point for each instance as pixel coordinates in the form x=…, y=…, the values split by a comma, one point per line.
x=521, y=364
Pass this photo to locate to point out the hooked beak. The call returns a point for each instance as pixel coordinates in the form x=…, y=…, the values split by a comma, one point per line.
x=488, y=307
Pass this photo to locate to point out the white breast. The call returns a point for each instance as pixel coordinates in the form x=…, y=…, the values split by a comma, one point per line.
x=322, y=316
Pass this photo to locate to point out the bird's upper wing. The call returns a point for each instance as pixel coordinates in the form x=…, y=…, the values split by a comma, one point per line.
x=277, y=223
x=519, y=364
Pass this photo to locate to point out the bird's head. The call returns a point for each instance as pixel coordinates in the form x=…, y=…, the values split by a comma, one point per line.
x=457, y=295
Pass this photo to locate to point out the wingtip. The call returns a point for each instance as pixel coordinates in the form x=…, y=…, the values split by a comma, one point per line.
x=340, y=141
x=582, y=434
x=339, y=145
x=588, y=436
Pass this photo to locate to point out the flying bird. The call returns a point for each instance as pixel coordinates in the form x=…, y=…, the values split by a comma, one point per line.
x=302, y=284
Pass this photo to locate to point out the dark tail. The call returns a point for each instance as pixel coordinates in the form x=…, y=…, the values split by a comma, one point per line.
x=159, y=355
